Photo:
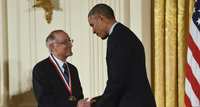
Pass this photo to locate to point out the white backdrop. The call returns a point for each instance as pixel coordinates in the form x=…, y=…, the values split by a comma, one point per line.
x=23, y=30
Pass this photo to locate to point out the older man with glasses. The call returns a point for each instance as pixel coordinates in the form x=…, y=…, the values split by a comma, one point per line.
x=55, y=81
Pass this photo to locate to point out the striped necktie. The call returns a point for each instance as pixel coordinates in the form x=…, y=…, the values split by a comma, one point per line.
x=66, y=71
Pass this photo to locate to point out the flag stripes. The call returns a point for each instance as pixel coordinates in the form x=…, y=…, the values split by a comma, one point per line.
x=194, y=31
x=191, y=96
x=192, y=80
x=195, y=84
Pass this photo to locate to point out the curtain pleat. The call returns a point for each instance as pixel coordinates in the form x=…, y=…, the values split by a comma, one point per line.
x=159, y=8
x=182, y=48
x=170, y=53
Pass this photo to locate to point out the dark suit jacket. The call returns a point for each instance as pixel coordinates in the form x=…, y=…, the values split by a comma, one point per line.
x=127, y=84
x=50, y=90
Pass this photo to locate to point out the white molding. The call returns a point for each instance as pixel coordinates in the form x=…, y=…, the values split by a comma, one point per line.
x=32, y=33
x=4, y=95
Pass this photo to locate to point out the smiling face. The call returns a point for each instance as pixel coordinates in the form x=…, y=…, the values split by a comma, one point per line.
x=61, y=49
x=99, y=27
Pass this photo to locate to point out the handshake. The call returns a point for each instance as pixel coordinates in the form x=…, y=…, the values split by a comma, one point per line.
x=92, y=103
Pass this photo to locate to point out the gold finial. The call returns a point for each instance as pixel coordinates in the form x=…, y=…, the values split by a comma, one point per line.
x=47, y=6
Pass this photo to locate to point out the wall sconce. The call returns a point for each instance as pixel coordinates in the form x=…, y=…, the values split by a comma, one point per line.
x=47, y=6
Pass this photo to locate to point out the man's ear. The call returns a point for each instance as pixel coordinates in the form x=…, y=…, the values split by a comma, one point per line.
x=102, y=18
x=52, y=48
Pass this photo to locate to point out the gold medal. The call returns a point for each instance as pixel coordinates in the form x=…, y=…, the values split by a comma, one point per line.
x=72, y=98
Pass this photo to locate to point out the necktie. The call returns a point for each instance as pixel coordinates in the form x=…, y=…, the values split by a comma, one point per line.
x=66, y=71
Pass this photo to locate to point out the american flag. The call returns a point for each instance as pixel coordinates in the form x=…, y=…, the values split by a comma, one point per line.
x=192, y=80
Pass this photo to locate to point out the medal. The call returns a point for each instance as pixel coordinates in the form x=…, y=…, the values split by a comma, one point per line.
x=72, y=98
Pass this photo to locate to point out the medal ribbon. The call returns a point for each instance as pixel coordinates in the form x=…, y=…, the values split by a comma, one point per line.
x=68, y=84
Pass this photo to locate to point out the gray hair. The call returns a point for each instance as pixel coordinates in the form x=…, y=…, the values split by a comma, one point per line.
x=101, y=9
x=51, y=38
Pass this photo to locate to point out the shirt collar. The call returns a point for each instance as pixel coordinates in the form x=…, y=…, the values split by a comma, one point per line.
x=60, y=63
x=111, y=29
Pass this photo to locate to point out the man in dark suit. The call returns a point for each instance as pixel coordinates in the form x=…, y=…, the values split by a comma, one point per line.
x=56, y=82
x=127, y=84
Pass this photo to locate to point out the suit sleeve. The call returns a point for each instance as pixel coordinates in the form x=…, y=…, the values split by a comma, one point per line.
x=43, y=91
x=118, y=60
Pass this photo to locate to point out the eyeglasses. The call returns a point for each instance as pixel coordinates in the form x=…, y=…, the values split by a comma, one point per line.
x=66, y=42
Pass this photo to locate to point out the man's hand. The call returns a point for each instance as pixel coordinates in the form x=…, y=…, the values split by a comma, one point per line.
x=94, y=101
x=83, y=103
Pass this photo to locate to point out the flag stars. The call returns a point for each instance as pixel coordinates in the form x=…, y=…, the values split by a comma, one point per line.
x=198, y=21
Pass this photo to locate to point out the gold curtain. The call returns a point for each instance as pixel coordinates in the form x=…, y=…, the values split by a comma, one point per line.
x=170, y=30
